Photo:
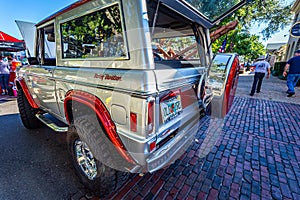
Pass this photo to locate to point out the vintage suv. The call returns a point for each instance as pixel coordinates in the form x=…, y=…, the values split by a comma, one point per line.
x=127, y=81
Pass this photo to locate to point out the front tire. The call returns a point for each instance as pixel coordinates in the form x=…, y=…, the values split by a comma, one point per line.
x=27, y=112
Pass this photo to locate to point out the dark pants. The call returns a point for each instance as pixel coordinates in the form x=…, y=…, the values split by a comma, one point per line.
x=4, y=78
x=258, y=78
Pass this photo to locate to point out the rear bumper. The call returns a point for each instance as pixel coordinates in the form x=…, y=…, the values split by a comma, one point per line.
x=180, y=133
x=171, y=151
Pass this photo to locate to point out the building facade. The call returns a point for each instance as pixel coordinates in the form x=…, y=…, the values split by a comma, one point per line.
x=294, y=42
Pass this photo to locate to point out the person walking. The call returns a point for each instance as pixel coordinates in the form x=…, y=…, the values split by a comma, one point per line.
x=262, y=67
x=292, y=71
x=4, y=75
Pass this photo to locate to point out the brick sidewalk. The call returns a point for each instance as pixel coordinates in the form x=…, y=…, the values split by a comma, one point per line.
x=272, y=89
x=256, y=157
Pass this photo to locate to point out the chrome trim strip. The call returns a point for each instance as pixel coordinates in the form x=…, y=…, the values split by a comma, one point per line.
x=132, y=92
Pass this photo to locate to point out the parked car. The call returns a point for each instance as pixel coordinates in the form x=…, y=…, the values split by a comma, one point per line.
x=252, y=68
x=127, y=87
x=242, y=68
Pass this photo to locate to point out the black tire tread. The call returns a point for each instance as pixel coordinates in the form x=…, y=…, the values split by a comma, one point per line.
x=27, y=113
x=109, y=179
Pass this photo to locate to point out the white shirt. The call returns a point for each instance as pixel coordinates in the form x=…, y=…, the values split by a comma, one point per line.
x=262, y=66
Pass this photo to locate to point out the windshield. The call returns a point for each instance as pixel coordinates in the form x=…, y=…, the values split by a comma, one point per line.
x=213, y=9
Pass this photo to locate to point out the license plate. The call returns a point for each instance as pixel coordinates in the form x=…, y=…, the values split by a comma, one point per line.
x=171, y=108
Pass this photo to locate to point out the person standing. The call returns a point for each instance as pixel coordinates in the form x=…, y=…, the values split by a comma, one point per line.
x=293, y=75
x=247, y=66
x=262, y=67
x=4, y=75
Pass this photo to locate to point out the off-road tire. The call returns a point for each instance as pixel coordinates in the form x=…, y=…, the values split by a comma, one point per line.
x=107, y=179
x=27, y=112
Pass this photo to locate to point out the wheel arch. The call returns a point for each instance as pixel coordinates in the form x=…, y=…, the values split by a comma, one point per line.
x=21, y=85
x=96, y=106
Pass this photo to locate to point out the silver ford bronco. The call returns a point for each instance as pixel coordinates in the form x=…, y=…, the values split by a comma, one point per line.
x=128, y=81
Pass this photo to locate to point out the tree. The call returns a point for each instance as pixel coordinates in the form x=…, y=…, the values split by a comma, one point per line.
x=275, y=14
x=272, y=13
x=242, y=43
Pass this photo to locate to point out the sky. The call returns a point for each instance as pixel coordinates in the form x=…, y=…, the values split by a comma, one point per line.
x=27, y=10
x=281, y=36
x=36, y=10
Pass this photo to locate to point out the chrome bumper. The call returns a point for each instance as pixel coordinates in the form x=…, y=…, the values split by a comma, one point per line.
x=171, y=151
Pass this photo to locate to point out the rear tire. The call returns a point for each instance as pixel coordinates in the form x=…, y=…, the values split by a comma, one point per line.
x=97, y=177
x=27, y=112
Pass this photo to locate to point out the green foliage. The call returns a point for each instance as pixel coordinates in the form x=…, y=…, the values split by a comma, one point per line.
x=99, y=25
x=273, y=14
x=279, y=67
x=243, y=43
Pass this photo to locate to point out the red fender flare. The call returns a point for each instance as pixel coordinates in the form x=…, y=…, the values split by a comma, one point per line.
x=21, y=83
x=102, y=113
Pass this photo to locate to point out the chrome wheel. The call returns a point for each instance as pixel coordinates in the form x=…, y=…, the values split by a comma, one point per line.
x=85, y=159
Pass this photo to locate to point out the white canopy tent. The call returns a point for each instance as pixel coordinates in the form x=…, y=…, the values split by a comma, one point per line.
x=27, y=30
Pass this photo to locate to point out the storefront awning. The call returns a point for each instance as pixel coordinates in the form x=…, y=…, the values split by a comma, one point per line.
x=11, y=44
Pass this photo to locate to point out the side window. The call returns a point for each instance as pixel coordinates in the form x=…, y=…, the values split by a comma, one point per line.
x=46, y=45
x=98, y=34
x=49, y=42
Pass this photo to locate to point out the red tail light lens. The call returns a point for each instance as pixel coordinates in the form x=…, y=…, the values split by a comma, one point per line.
x=133, y=122
x=170, y=95
x=150, y=116
x=152, y=146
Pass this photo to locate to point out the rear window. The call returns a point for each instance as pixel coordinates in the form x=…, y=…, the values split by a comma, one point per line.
x=175, y=48
x=174, y=37
x=96, y=35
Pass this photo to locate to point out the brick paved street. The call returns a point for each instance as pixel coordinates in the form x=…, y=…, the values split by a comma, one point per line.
x=257, y=155
x=272, y=89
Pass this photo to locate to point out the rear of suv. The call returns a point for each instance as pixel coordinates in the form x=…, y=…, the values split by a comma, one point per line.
x=125, y=79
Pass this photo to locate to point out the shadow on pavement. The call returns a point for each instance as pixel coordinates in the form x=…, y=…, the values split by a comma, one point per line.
x=34, y=163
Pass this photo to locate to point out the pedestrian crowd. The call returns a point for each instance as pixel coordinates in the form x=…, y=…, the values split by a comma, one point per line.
x=8, y=67
x=4, y=74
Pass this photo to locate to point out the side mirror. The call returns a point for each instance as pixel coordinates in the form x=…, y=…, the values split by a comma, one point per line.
x=33, y=61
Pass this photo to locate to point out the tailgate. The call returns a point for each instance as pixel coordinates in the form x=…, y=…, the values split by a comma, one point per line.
x=178, y=102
